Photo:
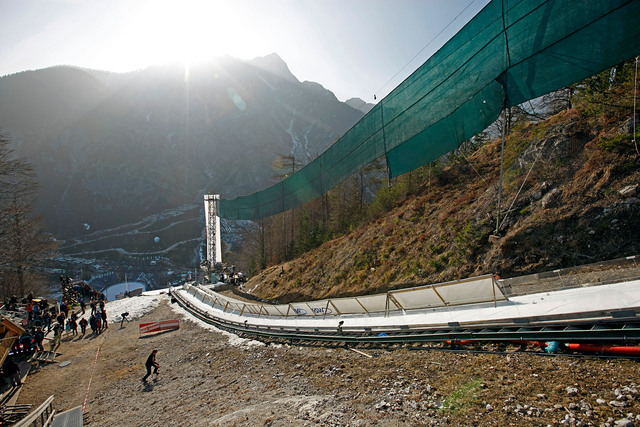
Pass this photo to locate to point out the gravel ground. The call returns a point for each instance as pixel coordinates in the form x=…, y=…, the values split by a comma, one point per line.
x=207, y=378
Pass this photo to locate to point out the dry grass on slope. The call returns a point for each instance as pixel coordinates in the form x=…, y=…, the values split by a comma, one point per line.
x=566, y=174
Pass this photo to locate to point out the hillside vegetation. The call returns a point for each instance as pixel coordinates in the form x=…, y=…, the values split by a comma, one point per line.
x=562, y=205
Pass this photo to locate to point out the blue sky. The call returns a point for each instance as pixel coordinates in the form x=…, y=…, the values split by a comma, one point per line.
x=351, y=47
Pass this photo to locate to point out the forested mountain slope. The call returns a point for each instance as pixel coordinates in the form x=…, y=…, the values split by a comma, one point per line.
x=568, y=199
x=110, y=149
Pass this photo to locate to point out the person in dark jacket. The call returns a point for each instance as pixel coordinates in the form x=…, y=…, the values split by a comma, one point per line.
x=83, y=325
x=73, y=325
x=104, y=319
x=38, y=337
x=93, y=323
x=12, y=371
x=46, y=321
x=151, y=362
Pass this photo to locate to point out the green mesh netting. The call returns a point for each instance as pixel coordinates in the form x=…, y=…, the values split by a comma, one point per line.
x=511, y=52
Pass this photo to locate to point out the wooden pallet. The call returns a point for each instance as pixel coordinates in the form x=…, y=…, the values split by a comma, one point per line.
x=14, y=413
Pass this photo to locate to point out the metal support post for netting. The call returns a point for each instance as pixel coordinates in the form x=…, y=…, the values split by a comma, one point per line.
x=507, y=117
x=212, y=223
x=504, y=130
x=384, y=143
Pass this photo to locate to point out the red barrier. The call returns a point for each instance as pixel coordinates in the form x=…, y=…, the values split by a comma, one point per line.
x=606, y=349
x=163, y=325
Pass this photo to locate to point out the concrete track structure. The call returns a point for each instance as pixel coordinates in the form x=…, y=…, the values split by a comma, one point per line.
x=598, y=313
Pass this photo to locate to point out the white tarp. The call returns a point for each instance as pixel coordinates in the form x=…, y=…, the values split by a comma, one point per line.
x=481, y=289
x=275, y=310
x=346, y=305
x=418, y=298
x=468, y=291
x=375, y=303
x=320, y=308
x=300, y=309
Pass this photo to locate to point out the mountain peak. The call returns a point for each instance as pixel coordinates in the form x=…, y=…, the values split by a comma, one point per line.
x=359, y=104
x=275, y=65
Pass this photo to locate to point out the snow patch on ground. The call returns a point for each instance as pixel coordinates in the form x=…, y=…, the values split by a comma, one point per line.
x=135, y=306
x=157, y=292
x=139, y=306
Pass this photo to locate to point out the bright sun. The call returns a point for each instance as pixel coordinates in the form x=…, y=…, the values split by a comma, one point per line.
x=186, y=30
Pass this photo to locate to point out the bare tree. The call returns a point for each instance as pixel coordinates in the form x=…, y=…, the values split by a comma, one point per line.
x=24, y=242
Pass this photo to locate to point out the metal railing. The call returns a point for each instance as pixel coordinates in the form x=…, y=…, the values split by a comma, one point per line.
x=481, y=289
x=40, y=417
x=598, y=273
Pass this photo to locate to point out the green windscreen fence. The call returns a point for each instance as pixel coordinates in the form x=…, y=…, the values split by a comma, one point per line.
x=510, y=52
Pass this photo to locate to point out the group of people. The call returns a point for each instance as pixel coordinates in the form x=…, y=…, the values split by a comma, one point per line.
x=39, y=322
x=98, y=317
x=42, y=319
x=32, y=305
x=77, y=292
x=37, y=309
x=97, y=320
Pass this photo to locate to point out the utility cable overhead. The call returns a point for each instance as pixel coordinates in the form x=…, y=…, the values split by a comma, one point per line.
x=422, y=50
x=460, y=90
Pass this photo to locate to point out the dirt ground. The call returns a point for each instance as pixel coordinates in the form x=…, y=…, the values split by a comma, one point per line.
x=206, y=380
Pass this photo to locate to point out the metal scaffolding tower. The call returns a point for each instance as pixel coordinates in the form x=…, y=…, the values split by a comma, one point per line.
x=214, y=248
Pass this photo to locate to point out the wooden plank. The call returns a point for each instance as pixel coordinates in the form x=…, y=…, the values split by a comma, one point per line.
x=361, y=352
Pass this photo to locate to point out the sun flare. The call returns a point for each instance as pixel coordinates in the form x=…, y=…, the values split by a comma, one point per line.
x=188, y=31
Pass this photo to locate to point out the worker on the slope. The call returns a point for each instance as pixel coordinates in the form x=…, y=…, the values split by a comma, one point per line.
x=151, y=362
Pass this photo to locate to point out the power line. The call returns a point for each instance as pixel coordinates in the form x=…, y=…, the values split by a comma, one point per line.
x=425, y=46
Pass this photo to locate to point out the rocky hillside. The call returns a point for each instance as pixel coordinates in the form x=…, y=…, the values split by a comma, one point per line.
x=568, y=199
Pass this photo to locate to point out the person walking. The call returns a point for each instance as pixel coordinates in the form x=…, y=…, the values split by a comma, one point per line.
x=151, y=362
x=98, y=322
x=104, y=319
x=64, y=307
x=61, y=318
x=83, y=325
x=73, y=324
x=46, y=321
x=57, y=336
x=29, y=311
